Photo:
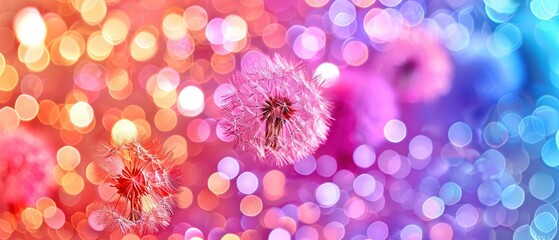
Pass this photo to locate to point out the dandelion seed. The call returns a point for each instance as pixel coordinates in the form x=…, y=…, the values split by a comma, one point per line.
x=142, y=174
x=277, y=111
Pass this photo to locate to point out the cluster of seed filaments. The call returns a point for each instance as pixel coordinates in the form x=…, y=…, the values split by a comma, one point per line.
x=132, y=185
x=275, y=112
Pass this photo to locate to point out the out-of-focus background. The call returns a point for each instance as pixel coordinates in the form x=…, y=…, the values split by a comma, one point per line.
x=445, y=116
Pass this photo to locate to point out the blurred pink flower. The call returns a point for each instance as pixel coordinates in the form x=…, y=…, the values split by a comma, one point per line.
x=277, y=111
x=364, y=103
x=26, y=166
x=142, y=174
x=417, y=64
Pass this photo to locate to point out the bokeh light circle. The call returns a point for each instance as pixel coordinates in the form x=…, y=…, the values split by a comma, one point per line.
x=433, y=207
x=421, y=147
x=512, y=197
x=247, y=182
x=364, y=185
x=228, y=166
x=466, y=216
x=450, y=193
x=531, y=129
x=191, y=101
x=395, y=131
x=378, y=230
x=460, y=134
x=495, y=134
x=542, y=185
x=364, y=156
x=327, y=194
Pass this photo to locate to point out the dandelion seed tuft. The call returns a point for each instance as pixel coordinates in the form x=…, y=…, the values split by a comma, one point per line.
x=142, y=173
x=277, y=111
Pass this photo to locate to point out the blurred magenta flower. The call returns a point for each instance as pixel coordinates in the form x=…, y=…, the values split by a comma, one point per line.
x=417, y=65
x=277, y=111
x=142, y=174
x=363, y=104
x=26, y=164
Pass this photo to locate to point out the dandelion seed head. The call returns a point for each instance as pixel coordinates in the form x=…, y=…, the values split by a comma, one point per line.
x=277, y=111
x=141, y=171
x=417, y=65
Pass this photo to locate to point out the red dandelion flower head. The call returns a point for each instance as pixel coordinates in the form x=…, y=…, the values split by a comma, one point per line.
x=142, y=174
